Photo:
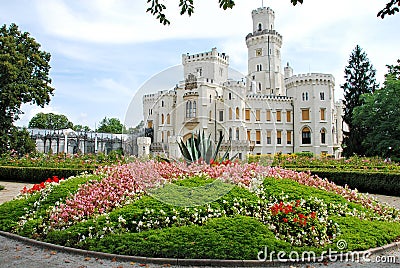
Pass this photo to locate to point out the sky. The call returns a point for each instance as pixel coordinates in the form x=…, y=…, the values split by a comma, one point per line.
x=107, y=53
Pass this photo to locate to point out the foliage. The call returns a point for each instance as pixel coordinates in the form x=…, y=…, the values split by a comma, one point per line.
x=373, y=182
x=50, y=121
x=111, y=125
x=380, y=114
x=37, y=174
x=360, y=79
x=21, y=142
x=24, y=77
x=200, y=148
x=389, y=9
x=81, y=128
x=2, y=187
x=187, y=6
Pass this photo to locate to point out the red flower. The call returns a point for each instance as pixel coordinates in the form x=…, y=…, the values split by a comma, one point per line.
x=285, y=220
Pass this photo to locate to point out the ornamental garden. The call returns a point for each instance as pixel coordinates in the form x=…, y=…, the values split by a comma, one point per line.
x=217, y=210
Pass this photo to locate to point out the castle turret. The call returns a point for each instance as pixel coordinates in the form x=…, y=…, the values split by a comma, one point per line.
x=264, y=56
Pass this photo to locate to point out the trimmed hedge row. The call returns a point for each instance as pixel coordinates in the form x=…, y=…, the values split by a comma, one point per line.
x=37, y=174
x=372, y=182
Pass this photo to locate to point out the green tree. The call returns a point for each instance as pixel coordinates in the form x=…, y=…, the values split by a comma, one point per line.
x=50, y=121
x=360, y=79
x=111, y=125
x=81, y=128
x=157, y=8
x=380, y=114
x=21, y=141
x=24, y=77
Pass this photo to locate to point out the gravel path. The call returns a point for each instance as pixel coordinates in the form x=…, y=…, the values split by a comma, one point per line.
x=15, y=253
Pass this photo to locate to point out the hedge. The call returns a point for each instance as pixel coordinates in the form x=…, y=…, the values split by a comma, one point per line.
x=37, y=174
x=373, y=182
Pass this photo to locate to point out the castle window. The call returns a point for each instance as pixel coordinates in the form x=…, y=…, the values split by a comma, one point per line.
x=268, y=115
x=258, y=136
x=306, y=136
x=258, y=115
x=260, y=27
x=230, y=113
x=259, y=86
x=168, y=119
x=269, y=141
x=322, y=96
x=288, y=116
x=237, y=133
x=322, y=114
x=188, y=109
x=278, y=116
x=323, y=136
x=162, y=118
x=247, y=114
x=230, y=96
x=210, y=98
x=221, y=116
x=237, y=113
x=305, y=114
x=194, y=109
x=305, y=96
x=199, y=72
x=248, y=135
x=230, y=134
x=279, y=136
x=162, y=103
x=289, y=137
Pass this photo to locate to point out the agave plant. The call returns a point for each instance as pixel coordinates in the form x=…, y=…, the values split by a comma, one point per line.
x=202, y=148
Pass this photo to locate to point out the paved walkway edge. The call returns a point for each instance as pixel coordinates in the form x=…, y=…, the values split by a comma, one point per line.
x=191, y=262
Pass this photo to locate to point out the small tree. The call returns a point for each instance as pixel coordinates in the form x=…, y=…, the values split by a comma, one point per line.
x=111, y=125
x=21, y=141
x=360, y=79
x=50, y=121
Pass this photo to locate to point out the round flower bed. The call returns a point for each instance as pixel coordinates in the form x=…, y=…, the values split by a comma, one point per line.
x=222, y=211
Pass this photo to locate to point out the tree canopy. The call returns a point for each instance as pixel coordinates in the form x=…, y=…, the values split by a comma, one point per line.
x=111, y=125
x=360, y=79
x=50, y=121
x=157, y=8
x=24, y=77
x=380, y=115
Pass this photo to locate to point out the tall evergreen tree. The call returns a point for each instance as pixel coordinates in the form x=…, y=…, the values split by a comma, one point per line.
x=360, y=79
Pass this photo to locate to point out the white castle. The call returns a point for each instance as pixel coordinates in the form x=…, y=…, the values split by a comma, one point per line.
x=266, y=112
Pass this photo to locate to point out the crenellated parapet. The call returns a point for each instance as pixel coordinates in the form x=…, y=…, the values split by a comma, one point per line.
x=268, y=97
x=211, y=56
x=309, y=79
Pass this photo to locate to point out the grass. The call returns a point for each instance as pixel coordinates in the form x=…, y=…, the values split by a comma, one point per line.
x=234, y=234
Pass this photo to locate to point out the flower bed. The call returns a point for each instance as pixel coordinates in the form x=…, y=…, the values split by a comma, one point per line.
x=113, y=210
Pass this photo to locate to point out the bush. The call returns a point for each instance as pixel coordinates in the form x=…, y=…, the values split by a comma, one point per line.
x=36, y=174
x=365, y=181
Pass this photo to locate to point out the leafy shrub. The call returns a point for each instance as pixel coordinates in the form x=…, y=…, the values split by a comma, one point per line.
x=37, y=174
x=365, y=181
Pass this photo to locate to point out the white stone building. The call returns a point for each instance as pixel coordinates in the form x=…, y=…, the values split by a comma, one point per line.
x=268, y=111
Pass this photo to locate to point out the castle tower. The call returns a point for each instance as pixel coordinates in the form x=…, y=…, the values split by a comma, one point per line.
x=264, y=56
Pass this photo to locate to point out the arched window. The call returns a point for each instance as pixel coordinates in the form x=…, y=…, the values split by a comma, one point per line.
x=194, y=109
x=162, y=118
x=168, y=134
x=188, y=109
x=230, y=134
x=259, y=86
x=237, y=133
x=259, y=26
x=230, y=96
x=162, y=103
x=230, y=113
x=237, y=113
x=210, y=98
x=306, y=136
x=168, y=119
x=323, y=136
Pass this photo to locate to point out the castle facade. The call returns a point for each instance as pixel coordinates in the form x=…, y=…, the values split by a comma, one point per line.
x=270, y=110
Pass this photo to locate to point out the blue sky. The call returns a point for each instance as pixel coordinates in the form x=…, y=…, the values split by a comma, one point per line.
x=107, y=53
